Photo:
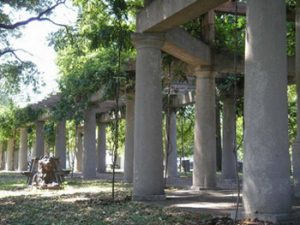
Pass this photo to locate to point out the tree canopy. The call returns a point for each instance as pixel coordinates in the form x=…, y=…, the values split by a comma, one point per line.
x=15, y=72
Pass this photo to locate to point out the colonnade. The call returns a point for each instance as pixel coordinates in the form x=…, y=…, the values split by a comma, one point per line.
x=267, y=187
x=266, y=182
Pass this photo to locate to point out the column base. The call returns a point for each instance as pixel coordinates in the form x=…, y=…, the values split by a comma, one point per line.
x=149, y=197
x=296, y=172
x=200, y=188
x=276, y=219
x=89, y=177
x=127, y=181
x=296, y=194
x=228, y=183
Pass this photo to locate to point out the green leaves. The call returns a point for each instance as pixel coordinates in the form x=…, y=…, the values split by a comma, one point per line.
x=92, y=55
x=13, y=74
x=12, y=118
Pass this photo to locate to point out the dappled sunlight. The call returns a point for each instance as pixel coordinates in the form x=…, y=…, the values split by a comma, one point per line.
x=205, y=205
x=74, y=199
x=67, y=190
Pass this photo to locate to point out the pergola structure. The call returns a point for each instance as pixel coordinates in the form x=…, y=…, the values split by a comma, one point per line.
x=266, y=183
x=267, y=189
x=86, y=164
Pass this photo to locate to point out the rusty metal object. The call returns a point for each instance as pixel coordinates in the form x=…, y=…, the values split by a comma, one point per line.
x=45, y=173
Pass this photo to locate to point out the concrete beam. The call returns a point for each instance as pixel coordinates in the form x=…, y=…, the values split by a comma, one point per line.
x=106, y=117
x=224, y=63
x=230, y=8
x=162, y=15
x=184, y=99
x=183, y=46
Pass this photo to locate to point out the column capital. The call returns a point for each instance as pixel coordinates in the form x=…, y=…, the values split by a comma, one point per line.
x=204, y=71
x=148, y=40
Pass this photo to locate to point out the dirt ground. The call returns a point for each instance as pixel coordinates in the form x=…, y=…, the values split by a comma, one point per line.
x=219, y=202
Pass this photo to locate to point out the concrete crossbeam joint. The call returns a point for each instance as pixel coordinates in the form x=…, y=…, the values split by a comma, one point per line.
x=162, y=15
x=148, y=182
x=183, y=46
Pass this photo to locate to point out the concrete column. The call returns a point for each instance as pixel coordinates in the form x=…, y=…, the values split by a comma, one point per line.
x=23, y=163
x=60, y=143
x=266, y=187
x=147, y=2
x=129, y=139
x=16, y=158
x=39, y=139
x=148, y=181
x=172, y=146
x=1, y=156
x=46, y=148
x=101, y=148
x=89, y=155
x=10, y=154
x=78, y=151
x=296, y=146
x=229, y=136
x=204, y=175
x=218, y=137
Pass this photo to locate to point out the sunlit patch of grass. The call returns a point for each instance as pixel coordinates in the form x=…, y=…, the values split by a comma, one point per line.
x=82, y=203
x=12, y=181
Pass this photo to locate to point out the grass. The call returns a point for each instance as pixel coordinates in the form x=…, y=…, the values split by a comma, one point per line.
x=80, y=202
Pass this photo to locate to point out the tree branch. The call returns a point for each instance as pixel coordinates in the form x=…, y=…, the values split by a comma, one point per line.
x=39, y=17
x=53, y=22
x=13, y=52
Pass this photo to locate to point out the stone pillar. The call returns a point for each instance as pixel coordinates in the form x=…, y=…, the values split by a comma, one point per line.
x=10, y=154
x=296, y=146
x=16, y=158
x=46, y=148
x=1, y=156
x=129, y=139
x=266, y=184
x=78, y=151
x=147, y=2
x=39, y=139
x=218, y=137
x=101, y=148
x=204, y=175
x=229, y=136
x=89, y=154
x=148, y=181
x=60, y=143
x=172, y=146
x=23, y=163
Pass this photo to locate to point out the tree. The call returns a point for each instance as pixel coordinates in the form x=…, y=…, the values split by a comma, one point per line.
x=15, y=71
